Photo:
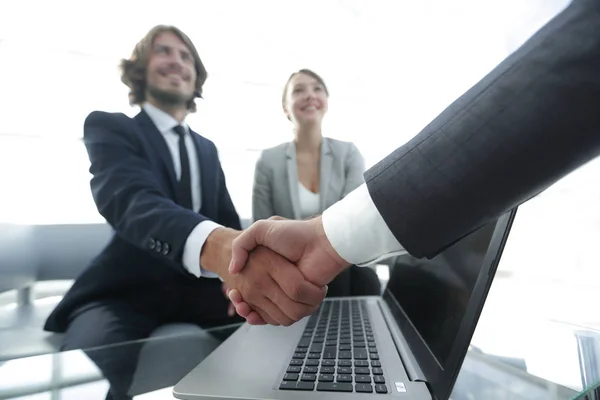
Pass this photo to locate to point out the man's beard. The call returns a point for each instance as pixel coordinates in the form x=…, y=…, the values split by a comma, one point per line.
x=168, y=98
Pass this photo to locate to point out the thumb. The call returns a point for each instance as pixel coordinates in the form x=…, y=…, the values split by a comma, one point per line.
x=247, y=241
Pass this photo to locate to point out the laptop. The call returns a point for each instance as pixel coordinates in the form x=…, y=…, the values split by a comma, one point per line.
x=408, y=343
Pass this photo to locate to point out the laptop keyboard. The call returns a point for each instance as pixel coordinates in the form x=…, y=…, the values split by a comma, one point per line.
x=337, y=352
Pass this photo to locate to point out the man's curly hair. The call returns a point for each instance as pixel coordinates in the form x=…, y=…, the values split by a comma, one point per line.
x=133, y=70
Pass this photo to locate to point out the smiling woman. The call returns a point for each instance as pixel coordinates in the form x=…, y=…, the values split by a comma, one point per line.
x=301, y=178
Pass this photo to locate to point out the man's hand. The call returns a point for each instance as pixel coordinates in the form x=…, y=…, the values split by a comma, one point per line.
x=269, y=284
x=230, y=307
x=301, y=242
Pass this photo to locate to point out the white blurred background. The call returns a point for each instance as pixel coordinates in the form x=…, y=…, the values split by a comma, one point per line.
x=391, y=67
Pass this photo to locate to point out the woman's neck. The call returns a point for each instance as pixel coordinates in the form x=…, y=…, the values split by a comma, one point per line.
x=308, y=140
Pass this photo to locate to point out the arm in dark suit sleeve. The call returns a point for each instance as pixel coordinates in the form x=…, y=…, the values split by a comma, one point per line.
x=355, y=169
x=262, y=199
x=126, y=191
x=531, y=121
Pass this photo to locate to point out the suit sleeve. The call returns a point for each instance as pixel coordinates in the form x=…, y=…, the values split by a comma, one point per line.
x=355, y=169
x=126, y=192
x=227, y=216
x=528, y=123
x=262, y=196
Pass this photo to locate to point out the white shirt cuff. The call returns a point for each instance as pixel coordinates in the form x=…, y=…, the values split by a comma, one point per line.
x=193, y=247
x=358, y=232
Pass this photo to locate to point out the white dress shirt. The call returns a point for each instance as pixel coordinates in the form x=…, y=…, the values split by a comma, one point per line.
x=193, y=245
x=357, y=231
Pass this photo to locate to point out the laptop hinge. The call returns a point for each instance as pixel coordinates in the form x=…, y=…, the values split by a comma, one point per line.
x=413, y=370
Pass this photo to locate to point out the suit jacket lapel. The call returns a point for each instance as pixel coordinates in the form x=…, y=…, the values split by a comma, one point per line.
x=292, y=175
x=150, y=131
x=325, y=172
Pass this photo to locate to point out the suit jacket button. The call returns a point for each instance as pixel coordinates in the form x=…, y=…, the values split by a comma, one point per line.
x=166, y=249
x=151, y=243
x=158, y=246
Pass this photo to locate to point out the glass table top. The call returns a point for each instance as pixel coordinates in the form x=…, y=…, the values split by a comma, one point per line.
x=511, y=360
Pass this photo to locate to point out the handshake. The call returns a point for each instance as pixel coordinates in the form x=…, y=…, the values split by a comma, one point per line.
x=278, y=271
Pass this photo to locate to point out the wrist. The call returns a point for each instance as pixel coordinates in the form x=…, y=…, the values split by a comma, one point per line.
x=325, y=245
x=216, y=252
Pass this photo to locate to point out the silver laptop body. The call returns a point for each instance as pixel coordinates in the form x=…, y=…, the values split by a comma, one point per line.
x=408, y=343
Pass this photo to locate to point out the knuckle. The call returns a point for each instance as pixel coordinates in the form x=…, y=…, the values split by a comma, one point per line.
x=295, y=291
x=258, y=226
x=322, y=296
x=288, y=323
x=298, y=313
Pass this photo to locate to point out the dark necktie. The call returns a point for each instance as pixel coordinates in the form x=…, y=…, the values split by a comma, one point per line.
x=185, y=182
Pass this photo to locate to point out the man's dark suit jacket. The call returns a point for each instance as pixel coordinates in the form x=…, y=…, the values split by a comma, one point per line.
x=529, y=122
x=134, y=187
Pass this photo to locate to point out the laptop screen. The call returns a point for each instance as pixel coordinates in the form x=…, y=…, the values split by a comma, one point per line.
x=434, y=294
